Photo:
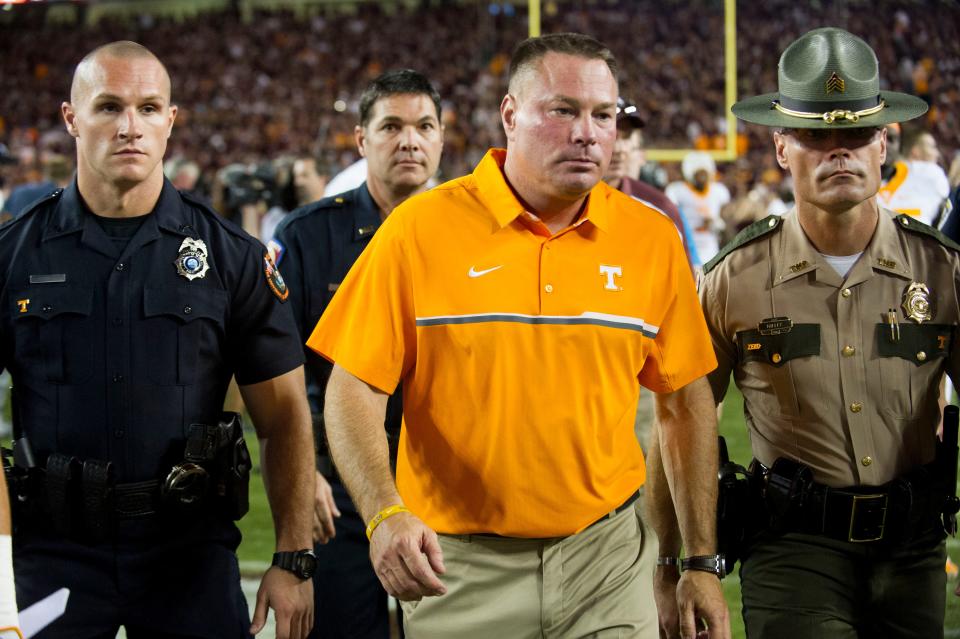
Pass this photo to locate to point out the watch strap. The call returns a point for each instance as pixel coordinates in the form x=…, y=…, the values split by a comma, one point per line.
x=705, y=563
x=291, y=561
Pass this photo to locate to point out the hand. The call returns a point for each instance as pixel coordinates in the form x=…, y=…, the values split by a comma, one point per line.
x=324, y=510
x=292, y=601
x=700, y=598
x=407, y=558
x=665, y=594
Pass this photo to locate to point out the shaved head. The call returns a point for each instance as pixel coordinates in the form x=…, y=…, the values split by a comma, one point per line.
x=87, y=71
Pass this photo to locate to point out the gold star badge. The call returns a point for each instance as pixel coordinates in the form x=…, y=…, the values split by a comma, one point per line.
x=835, y=83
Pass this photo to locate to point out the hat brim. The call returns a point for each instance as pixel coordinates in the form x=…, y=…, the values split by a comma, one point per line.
x=630, y=122
x=759, y=110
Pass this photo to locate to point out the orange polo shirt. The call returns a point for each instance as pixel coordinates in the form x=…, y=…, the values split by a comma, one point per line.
x=521, y=352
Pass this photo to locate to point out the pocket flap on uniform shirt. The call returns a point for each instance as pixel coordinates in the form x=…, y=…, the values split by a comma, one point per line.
x=47, y=302
x=185, y=303
x=803, y=340
x=918, y=343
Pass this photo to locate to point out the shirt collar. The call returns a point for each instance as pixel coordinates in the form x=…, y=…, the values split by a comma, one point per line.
x=503, y=204
x=72, y=214
x=798, y=255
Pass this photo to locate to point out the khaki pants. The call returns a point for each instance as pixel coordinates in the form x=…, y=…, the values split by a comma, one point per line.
x=598, y=583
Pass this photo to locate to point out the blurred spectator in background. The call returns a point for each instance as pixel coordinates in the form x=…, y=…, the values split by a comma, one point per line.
x=6, y=160
x=347, y=179
x=953, y=175
x=915, y=187
x=626, y=162
x=922, y=147
x=183, y=174
x=57, y=173
x=700, y=198
x=309, y=179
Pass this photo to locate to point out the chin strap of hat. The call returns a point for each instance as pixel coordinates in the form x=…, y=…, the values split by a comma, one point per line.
x=830, y=116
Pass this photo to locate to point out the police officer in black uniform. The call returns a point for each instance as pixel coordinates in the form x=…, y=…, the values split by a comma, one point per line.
x=127, y=307
x=401, y=137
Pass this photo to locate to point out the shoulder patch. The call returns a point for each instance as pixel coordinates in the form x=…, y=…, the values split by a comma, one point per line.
x=274, y=279
x=747, y=235
x=915, y=225
x=275, y=250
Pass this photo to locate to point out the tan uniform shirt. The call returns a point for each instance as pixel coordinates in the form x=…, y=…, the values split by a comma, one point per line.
x=833, y=383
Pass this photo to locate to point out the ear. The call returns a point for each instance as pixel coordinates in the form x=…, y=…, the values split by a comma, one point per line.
x=69, y=119
x=780, y=143
x=883, y=145
x=361, y=140
x=508, y=114
x=173, y=116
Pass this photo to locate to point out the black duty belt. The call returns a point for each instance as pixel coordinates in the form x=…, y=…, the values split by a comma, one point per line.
x=895, y=512
x=849, y=516
x=100, y=498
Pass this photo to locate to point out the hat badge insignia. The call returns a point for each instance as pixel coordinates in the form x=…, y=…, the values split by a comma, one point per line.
x=917, y=303
x=835, y=83
x=191, y=260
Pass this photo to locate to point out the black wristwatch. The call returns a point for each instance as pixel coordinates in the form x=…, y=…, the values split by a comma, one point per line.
x=302, y=563
x=706, y=563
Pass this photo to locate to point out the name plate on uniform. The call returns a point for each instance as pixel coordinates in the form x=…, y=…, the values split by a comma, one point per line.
x=775, y=326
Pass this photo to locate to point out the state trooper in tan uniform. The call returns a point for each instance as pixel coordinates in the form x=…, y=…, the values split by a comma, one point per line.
x=837, y=322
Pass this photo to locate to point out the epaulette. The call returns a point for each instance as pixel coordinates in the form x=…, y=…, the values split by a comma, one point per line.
x=33, y=206
x=198, y=201
x=747, y=235
x=912, y=224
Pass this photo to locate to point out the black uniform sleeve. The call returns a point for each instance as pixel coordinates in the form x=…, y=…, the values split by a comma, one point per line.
x=262, y=335
x=291, y=266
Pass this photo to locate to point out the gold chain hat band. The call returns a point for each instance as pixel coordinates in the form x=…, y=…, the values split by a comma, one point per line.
x=830, y=116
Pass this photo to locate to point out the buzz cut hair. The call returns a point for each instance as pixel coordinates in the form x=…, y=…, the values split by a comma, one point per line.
x=122, y=49
x=532, y=50
x=398, y=82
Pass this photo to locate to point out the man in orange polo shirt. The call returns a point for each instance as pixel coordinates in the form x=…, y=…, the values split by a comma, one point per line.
x=522, y=306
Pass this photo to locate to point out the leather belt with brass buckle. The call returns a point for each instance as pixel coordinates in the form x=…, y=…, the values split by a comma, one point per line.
x=868, y=518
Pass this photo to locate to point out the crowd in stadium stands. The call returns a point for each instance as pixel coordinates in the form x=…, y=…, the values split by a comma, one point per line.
x=282, y=86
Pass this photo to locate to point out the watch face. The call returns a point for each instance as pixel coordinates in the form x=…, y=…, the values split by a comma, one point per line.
x=306, y=564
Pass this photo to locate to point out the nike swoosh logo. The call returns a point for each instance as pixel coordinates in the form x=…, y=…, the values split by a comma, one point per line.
x=475, y=273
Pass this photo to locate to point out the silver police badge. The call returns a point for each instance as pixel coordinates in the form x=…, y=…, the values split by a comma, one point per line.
x=917, y=303
x=191, y=262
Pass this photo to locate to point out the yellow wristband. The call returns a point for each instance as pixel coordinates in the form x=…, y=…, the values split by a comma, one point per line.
x=389, y=511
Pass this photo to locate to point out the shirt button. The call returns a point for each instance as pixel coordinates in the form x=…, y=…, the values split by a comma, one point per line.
x=848, y=351
x=118, y=378
x=47, y=308
x=856, y=407
x=866, y=461
x=921, y=356
x=776, y=358
x=121, y=266
x=548, y=288
x=118, y=433
x=117, y=321
x=187, y=310
x=845, y=292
